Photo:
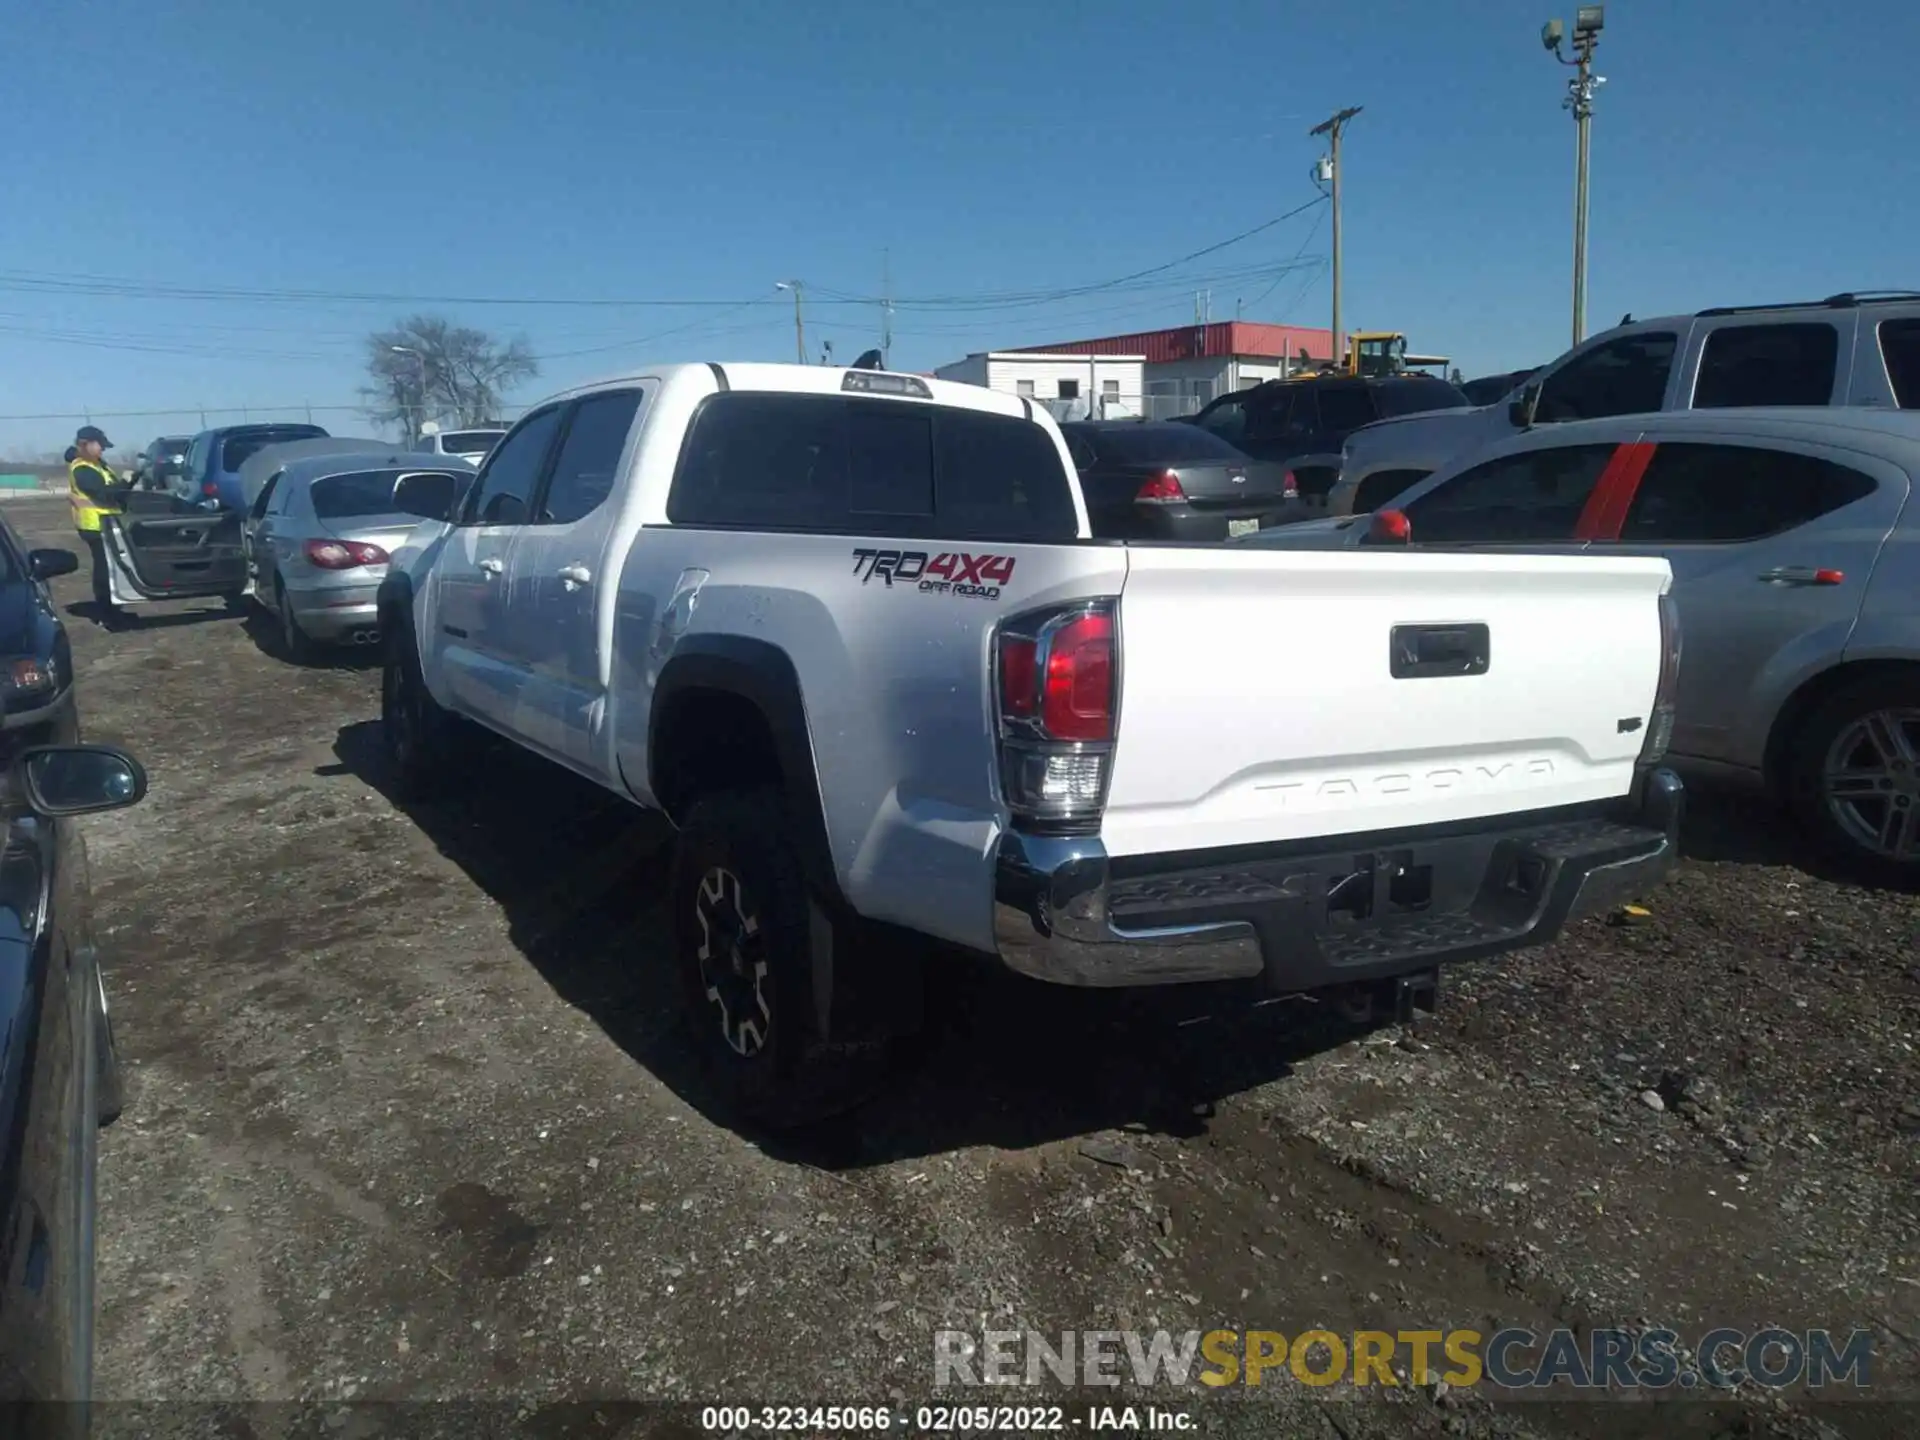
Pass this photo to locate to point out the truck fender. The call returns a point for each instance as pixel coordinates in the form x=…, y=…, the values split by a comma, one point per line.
x=763, y=676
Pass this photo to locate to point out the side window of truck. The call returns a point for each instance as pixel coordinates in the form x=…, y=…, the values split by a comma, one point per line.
x=1627, y=376
x=1767, y=365
x=1532, y=497
x=1697, y=494
x=584, y=471
x=505, y=486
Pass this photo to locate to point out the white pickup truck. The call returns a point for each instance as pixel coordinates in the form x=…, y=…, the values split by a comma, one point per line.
x=847, y=629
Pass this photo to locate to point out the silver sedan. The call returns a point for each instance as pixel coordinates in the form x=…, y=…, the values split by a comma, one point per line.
x=1796, y=574
x=317, y=538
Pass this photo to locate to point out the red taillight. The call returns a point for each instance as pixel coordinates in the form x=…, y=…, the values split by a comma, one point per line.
x=1162, y=489
x=1389, y=527
x=343, y=554
x=1289, y=487
x=1056, y=675
x=207, y=487
x=1019, y=680
x=1077, y=700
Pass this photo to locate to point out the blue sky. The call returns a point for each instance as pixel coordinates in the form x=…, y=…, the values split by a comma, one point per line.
x=596, y=152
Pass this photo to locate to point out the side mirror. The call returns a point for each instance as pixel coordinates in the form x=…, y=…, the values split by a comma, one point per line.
x=45, y=564
x=79, y=779
x=1521, y=409
x=431, y=497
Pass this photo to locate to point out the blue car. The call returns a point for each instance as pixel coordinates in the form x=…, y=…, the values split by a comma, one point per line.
x=211, y=477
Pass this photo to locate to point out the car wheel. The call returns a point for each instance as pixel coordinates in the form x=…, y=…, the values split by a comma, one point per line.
x=1856, y=779
x=744, y=925
x=424, y=743
x=111, y=1095
x=293, y=640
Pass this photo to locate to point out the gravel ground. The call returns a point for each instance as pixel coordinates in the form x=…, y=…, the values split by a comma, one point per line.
x=412, y=1117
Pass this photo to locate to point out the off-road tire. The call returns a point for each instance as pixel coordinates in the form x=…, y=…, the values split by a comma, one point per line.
x=754, y=1025
x=1806, y=785
x=424, y=744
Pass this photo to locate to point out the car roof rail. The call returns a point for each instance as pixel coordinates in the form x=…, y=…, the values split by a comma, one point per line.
x=1846, y=300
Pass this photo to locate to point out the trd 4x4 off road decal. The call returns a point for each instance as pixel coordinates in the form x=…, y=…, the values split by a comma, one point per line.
x=951, y=572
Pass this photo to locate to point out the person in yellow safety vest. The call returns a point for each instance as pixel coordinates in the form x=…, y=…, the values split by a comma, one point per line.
x=94, y=490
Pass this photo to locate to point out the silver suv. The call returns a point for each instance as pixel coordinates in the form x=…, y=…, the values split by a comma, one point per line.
x=1854, y=349
x=1795, y=547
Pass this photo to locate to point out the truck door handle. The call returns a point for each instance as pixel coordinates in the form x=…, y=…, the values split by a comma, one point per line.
x=492, y=566
x=575, y=576
x=1801, y=575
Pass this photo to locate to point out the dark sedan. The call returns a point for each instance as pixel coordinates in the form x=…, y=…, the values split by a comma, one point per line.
x=36, y=663
x=1147, y=480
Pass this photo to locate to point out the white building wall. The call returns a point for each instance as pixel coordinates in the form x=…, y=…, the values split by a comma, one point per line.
x=1040, y=376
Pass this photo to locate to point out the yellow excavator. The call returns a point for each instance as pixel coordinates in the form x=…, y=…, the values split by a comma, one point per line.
x=1377, y=354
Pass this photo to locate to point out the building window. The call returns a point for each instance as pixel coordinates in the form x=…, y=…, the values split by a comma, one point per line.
x=1069, y=389
x=1023, y=387
x=1109, y=387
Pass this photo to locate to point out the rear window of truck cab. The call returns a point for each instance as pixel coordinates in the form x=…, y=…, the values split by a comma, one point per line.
x=867, y=466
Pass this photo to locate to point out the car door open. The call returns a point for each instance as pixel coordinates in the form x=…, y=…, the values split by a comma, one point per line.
x=173, y=557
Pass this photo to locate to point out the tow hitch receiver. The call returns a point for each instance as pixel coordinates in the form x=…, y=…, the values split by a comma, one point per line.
x=1390, y=1002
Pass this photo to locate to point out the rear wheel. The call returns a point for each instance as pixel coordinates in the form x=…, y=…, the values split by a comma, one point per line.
x=424, y=743
x=745, y=925
x=293, y=640
x=1855, y=783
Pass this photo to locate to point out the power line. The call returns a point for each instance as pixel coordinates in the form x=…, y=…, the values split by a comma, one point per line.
x=101, y=286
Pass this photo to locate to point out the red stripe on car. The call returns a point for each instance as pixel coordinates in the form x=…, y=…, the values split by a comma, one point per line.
x=1606, y=508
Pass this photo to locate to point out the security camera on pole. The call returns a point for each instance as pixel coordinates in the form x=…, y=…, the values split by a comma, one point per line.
x=1588, y=21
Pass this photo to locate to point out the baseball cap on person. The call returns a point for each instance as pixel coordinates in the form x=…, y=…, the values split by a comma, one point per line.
x=91, y=432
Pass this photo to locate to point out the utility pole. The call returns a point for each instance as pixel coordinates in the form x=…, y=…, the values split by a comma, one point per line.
x=1330, y=169
x=886, y=306
x=799, y=324
x=1588, y=21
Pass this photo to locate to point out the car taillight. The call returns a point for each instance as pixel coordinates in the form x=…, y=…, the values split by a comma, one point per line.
x=208, y=488
x=1054, y=677
x=1161, y=489
x=1660, y=727
x=1289, y=487
x=343, y=554
x=1389, y=527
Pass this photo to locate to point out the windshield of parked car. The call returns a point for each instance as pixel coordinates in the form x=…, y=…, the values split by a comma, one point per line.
x=1419, y=395
x=241, y=446
x=469, y=442
x=1161, y=445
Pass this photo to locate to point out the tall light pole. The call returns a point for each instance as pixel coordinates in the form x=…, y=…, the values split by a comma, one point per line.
x=1329, y=169
x=1588, y=21
x=799, y=325
x=420, y=389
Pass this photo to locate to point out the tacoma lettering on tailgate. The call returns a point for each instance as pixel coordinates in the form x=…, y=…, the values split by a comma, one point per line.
x=951, y=572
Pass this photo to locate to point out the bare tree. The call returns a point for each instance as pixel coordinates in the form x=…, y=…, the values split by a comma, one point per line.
x=428, y=368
